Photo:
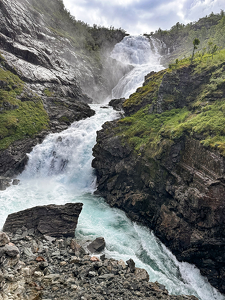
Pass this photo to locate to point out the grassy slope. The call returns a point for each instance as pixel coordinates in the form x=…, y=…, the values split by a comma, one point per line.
x=18, y=119
x=204, y=117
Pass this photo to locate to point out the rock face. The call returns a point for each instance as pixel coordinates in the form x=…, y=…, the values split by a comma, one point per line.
x=51, y=220
x=60, y=72
x=43, y=56
x=178, y=192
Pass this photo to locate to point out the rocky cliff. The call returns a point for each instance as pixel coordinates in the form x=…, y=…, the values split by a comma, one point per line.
x=164, y=162
x=51, y=66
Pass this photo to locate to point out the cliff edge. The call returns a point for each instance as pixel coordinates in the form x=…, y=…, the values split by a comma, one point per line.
x=163, y=164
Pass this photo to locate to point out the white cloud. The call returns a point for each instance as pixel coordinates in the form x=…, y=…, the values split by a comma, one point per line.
x=140, y=16
x=200, y=8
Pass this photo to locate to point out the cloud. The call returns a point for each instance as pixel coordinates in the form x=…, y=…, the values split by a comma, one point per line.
x=142, y=16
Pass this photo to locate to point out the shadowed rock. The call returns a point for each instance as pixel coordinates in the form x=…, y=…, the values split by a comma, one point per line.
x=131, y=264
x=52, y=220
x=97, y=245
x=4, y=183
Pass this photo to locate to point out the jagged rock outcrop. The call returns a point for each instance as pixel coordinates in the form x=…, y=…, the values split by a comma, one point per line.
x=175, y=186
x=52, y=220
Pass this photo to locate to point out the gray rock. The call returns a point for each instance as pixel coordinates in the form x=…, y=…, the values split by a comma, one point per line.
x=117, y=104
x=28, y=252
x=4, y=239
x=51, y=220
x=11, y=250
x=16, y=181
x=131, y=264
x=97, y=245
x=4, y=183
x=107, y=276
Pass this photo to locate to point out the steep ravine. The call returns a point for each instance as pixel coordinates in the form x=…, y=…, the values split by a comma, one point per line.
x=163, y=163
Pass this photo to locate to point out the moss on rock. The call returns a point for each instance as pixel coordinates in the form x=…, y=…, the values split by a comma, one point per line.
x=18, y=119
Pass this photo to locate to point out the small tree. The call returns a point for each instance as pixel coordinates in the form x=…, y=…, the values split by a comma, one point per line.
x=212, y=48
x=196, y=42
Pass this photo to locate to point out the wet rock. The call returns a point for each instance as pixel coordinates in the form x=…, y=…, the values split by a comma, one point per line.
x=52, y=220
x=4, y=183
x=15, y=182
x=117, y=104
x=131, y=265
x=97, y=245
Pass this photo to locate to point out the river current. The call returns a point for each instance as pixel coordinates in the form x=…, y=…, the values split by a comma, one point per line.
x=59, y=171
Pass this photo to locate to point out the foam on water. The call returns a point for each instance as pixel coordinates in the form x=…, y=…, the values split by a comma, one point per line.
x=59, y=171
x=142, y=55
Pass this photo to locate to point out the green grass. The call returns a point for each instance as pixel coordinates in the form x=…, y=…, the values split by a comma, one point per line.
x=26, y=121
x=18, y=119
x=146, y=92
x=48, y=93
x=204, y=117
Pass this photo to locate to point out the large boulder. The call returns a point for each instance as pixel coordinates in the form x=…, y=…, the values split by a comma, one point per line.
x=51, y=220
x=97, y=245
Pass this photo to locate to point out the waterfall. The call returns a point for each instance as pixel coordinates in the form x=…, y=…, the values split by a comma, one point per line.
x=59, y=171
x=143, y=55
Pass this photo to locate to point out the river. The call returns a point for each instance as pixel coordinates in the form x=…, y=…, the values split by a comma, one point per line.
x=59, y=171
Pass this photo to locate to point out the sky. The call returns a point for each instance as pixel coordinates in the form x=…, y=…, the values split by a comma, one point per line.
x=141, y=16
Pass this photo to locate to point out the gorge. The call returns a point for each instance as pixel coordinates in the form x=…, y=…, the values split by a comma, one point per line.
x=59, y=169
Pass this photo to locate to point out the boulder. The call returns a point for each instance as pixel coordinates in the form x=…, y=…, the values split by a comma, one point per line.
x=97, y=245
x=131, y=264
x=51, y=220
x=4, y=183
x=4, y=239
x=117, y=104
x=11, y=250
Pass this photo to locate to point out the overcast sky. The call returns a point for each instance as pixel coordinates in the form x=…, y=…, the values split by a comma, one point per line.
x=141, y=16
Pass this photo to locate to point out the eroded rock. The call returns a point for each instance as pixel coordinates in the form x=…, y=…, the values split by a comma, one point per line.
x=51, y=220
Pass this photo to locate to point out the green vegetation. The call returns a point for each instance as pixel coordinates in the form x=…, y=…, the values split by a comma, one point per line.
x=18, y=119
x=48, y=93
x=148, y=92
x=203, y=116
x=196, y=42
x=208, y=30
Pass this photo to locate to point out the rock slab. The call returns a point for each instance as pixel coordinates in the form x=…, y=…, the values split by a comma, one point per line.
x=97, y=245
x=51, y=220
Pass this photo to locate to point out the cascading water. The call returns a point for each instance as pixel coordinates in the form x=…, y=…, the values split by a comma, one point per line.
x=143, y=55
x=59, y=171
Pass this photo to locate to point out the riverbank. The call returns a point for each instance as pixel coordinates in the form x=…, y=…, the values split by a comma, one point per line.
x=36, y=266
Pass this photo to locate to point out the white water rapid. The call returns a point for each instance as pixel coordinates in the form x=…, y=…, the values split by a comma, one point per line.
x=142, y=55
x=59, y=171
